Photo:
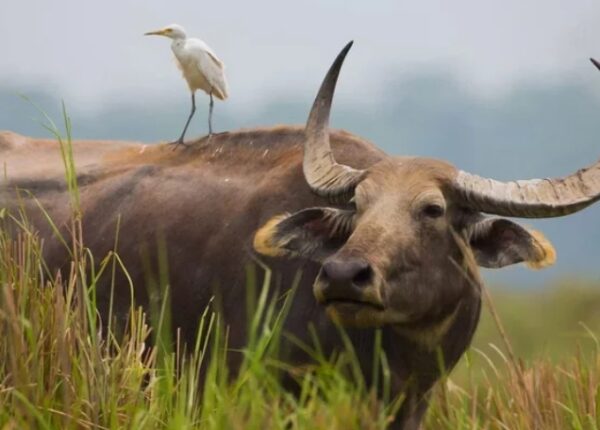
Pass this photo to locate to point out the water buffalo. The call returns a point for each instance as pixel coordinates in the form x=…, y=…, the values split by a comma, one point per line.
x=388, y=243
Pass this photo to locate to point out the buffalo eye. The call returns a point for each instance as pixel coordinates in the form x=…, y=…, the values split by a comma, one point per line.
x=433, y=210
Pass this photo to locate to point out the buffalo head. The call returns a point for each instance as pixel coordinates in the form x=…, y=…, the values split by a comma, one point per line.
x=403, y=238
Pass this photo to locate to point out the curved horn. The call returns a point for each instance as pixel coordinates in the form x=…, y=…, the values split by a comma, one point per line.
x=534, y=198
x=324, y=175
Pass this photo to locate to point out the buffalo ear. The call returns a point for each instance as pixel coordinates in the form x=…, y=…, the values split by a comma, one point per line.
x=313, y=233
x=498, y=242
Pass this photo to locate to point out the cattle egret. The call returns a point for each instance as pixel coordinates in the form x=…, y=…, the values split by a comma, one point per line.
x=200, y=66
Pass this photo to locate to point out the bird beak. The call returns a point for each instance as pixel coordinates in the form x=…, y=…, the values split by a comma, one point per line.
x=155, y=33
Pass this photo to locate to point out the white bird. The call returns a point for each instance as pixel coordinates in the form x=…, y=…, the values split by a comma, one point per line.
x=200, y=66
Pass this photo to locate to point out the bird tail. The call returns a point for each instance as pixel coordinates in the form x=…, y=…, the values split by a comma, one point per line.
x=221, y=93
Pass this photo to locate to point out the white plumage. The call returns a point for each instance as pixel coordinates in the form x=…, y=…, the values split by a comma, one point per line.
x=200, y=66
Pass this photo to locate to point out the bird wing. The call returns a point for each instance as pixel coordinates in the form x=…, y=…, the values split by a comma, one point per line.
x=211, y=67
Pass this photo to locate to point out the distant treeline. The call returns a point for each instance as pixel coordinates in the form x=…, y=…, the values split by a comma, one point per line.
x=535, y=130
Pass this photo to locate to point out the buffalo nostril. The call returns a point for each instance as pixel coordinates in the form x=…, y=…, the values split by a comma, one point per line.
x=363, y=277
x=353, y=270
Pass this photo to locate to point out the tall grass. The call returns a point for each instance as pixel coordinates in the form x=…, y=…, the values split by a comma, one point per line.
x=61, y=367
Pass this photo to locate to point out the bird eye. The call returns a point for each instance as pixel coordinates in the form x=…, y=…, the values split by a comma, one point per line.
x=433, y=210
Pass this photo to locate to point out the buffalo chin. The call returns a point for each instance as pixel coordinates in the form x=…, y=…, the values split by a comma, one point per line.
x=357, y=314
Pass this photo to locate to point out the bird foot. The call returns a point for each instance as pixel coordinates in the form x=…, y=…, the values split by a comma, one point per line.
x=177, y=143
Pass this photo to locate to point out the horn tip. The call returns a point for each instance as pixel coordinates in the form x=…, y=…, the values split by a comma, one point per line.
x=342, y=55
x=347, y=47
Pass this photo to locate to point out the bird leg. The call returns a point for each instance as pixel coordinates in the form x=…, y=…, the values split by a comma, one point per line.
x=210, y=111
x=180, y=140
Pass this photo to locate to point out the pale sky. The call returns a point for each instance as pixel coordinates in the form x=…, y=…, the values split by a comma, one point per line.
x=93, y=51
